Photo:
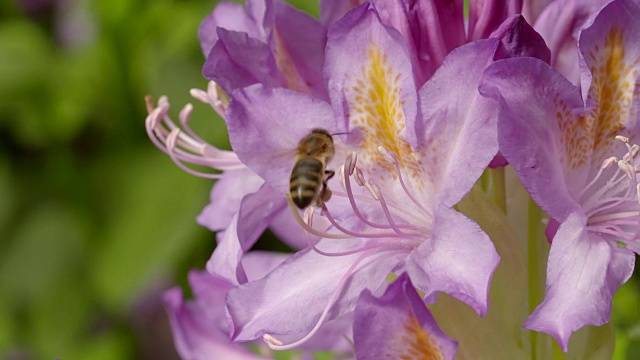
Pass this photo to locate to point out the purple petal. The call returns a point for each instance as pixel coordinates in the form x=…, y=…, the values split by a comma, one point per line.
x=362, y=54
x=238, y=60
x=486, y=16
x=255, y=214
x=517, y=38
x=266, y=47
x=583, y=272
x=559, y=24
x=431, y=28
x=225, y=260
x=287, y=229
x=230, y=16
x=533, y=98
x=299, y=54
x=610, y=73
x=265, y=126
x=226, y=195
x=334, y=335
x=459, y=259
x=257, y=264
x=531, y=9
x=399, y=325
x=199, y=326
x=551, y=229
x=291, y=299
x=461, y=134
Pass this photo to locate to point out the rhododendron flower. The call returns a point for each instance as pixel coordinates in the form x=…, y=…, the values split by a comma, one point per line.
x=200, y=328
x=295, y=59
x=407, y=156
x=572, y=149
x=398, y=325
x=238, y=196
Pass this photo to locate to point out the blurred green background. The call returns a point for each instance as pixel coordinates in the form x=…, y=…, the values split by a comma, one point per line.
x=95, y=222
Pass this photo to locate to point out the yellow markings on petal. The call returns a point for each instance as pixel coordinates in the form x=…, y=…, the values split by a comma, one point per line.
x=613, y=88
x=416, y=344
x=376, y=109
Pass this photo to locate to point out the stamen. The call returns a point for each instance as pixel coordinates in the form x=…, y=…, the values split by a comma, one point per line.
x=214, y=97
x=373, y=189
x=184, y=145
x=624, y=166
x=309, y=229
x=391, y=156
x=171, y=143
x=613, y=208
x=360, y=235
x=199, y=95
x=341, y=174
x=387, y=214
x=359, y=177
x=308, y=216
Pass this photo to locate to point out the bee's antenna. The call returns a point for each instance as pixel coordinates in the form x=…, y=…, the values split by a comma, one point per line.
x=341, y=133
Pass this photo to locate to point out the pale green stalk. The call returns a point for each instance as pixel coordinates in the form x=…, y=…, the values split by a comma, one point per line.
x=535, y=260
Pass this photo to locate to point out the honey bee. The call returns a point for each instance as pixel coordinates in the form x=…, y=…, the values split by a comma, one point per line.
x=308, y=182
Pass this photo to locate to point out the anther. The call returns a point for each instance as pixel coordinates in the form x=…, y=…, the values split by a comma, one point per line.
x=624, y=166
x=624, y=139
x=359, y=177
x=308, y=215
x=270, y=340
x=185, y=113
x=351, y=162
x=386, y=154
x=199, y=95
x=373, y=189
x=608, y=162
x=148, y=102
x=341, y=174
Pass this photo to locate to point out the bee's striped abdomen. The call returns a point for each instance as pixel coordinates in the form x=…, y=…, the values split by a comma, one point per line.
x=306, y=181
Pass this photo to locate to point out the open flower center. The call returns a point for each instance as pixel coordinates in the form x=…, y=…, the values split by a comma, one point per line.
x=394, y=233
x=612, y=204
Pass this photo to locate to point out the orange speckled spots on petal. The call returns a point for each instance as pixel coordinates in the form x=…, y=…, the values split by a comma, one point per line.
x=376, y=109
x=576, y=135
x=415, y=343
x=612, y=90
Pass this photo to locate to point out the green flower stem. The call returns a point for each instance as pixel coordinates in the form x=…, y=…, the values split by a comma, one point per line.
x=499, y=188
x=536, y=260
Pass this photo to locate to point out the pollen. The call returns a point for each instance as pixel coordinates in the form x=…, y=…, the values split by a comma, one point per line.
x=612, y=91
x=376, y=109
x=417, y=344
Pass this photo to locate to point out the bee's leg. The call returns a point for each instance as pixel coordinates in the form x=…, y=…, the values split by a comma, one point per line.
x=328, y=175
x=325, y=193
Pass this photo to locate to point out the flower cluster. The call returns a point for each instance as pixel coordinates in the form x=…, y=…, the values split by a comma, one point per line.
x=422, y=102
